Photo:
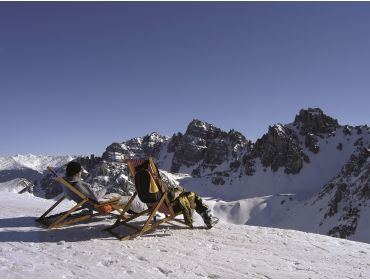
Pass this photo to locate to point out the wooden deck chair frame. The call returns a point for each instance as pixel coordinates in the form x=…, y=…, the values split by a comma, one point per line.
x=151, y=222
x=70, y=216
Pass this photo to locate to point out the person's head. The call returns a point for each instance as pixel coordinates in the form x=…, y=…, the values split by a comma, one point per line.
x=73, y=169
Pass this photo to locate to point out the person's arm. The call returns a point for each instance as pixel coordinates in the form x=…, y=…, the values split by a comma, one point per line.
x=87, y=190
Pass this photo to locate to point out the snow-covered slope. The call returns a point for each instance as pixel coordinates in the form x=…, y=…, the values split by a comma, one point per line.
x=28, y=166
x=35, y=162
x=17, y=185
x=226, y=251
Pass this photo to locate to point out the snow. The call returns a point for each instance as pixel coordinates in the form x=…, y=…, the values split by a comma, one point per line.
x=260, y=211
x=35, y=162
x=165, y=158
x=280, y=128
x=15, y=185
x=226, y=251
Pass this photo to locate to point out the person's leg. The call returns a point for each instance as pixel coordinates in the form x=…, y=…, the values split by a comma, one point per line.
x=136, y=205
x=200, y=206
x=202, y=209
x=186, y=209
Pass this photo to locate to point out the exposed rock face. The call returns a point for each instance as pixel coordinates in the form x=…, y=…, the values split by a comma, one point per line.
x=249, y=165
x=219, y=178
x=111, y=175
x=152, y=144
x=206, y=146
x=278, y=148
x=311, y=143
x=202, y=147
x=192, y=147
x=348, y=193
x=314, y=121
x=27, y=185
x=48, y=187
x=142, y=147
x=347, y=130
x=114, y=152
x=27, y=173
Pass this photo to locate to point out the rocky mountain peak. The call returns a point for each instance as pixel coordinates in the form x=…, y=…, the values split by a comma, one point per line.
x=198, y=128
x=140, y=147
x=279, y=147
x=236, y=138
x=204, y=146
x=313, y=120
x=153, y=139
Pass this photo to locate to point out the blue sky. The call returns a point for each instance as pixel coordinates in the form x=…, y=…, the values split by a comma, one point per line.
x=77, y=76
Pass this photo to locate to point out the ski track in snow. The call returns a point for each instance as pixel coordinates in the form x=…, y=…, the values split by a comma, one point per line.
x=29, y=250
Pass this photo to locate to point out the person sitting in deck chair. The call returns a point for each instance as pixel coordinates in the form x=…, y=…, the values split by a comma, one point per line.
x=181, y=199
x=73, y=176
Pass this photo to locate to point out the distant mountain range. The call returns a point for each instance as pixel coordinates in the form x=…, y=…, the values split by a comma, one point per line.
x=28, y=166
x=312, y=174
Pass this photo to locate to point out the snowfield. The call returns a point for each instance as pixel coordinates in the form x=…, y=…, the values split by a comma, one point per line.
x=29, y=250
x=35, y=162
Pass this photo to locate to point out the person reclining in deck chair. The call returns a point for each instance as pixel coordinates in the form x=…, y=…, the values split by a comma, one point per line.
x=73, y=176
x=181, y=199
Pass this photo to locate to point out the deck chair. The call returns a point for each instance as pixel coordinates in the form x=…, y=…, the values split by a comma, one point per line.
x=163, y=205
x=76, y=214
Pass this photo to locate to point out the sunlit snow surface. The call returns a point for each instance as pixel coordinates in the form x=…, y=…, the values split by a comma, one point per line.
x=29, y=250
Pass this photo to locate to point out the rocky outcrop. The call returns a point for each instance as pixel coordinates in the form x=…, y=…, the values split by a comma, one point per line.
x=311, y=143
x=114, y=152
x=191, y=148
x=203, y=146
x=47, y=187
x=314, y=121
x=348, y=193
x=201, y=149
x=278, y=148
x=27, y=173
x=281, y=146
x=152, y=144
x=26, y=185
x=142, y=147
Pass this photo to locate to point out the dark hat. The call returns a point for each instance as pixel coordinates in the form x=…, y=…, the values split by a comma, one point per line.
x=73, y=168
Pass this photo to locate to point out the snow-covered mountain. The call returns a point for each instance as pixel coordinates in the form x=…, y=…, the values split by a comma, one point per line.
x=201, y=150
x=28, y=166
x=226, y=251
x=341, y=208
x=311, y=174
x=291, y=177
